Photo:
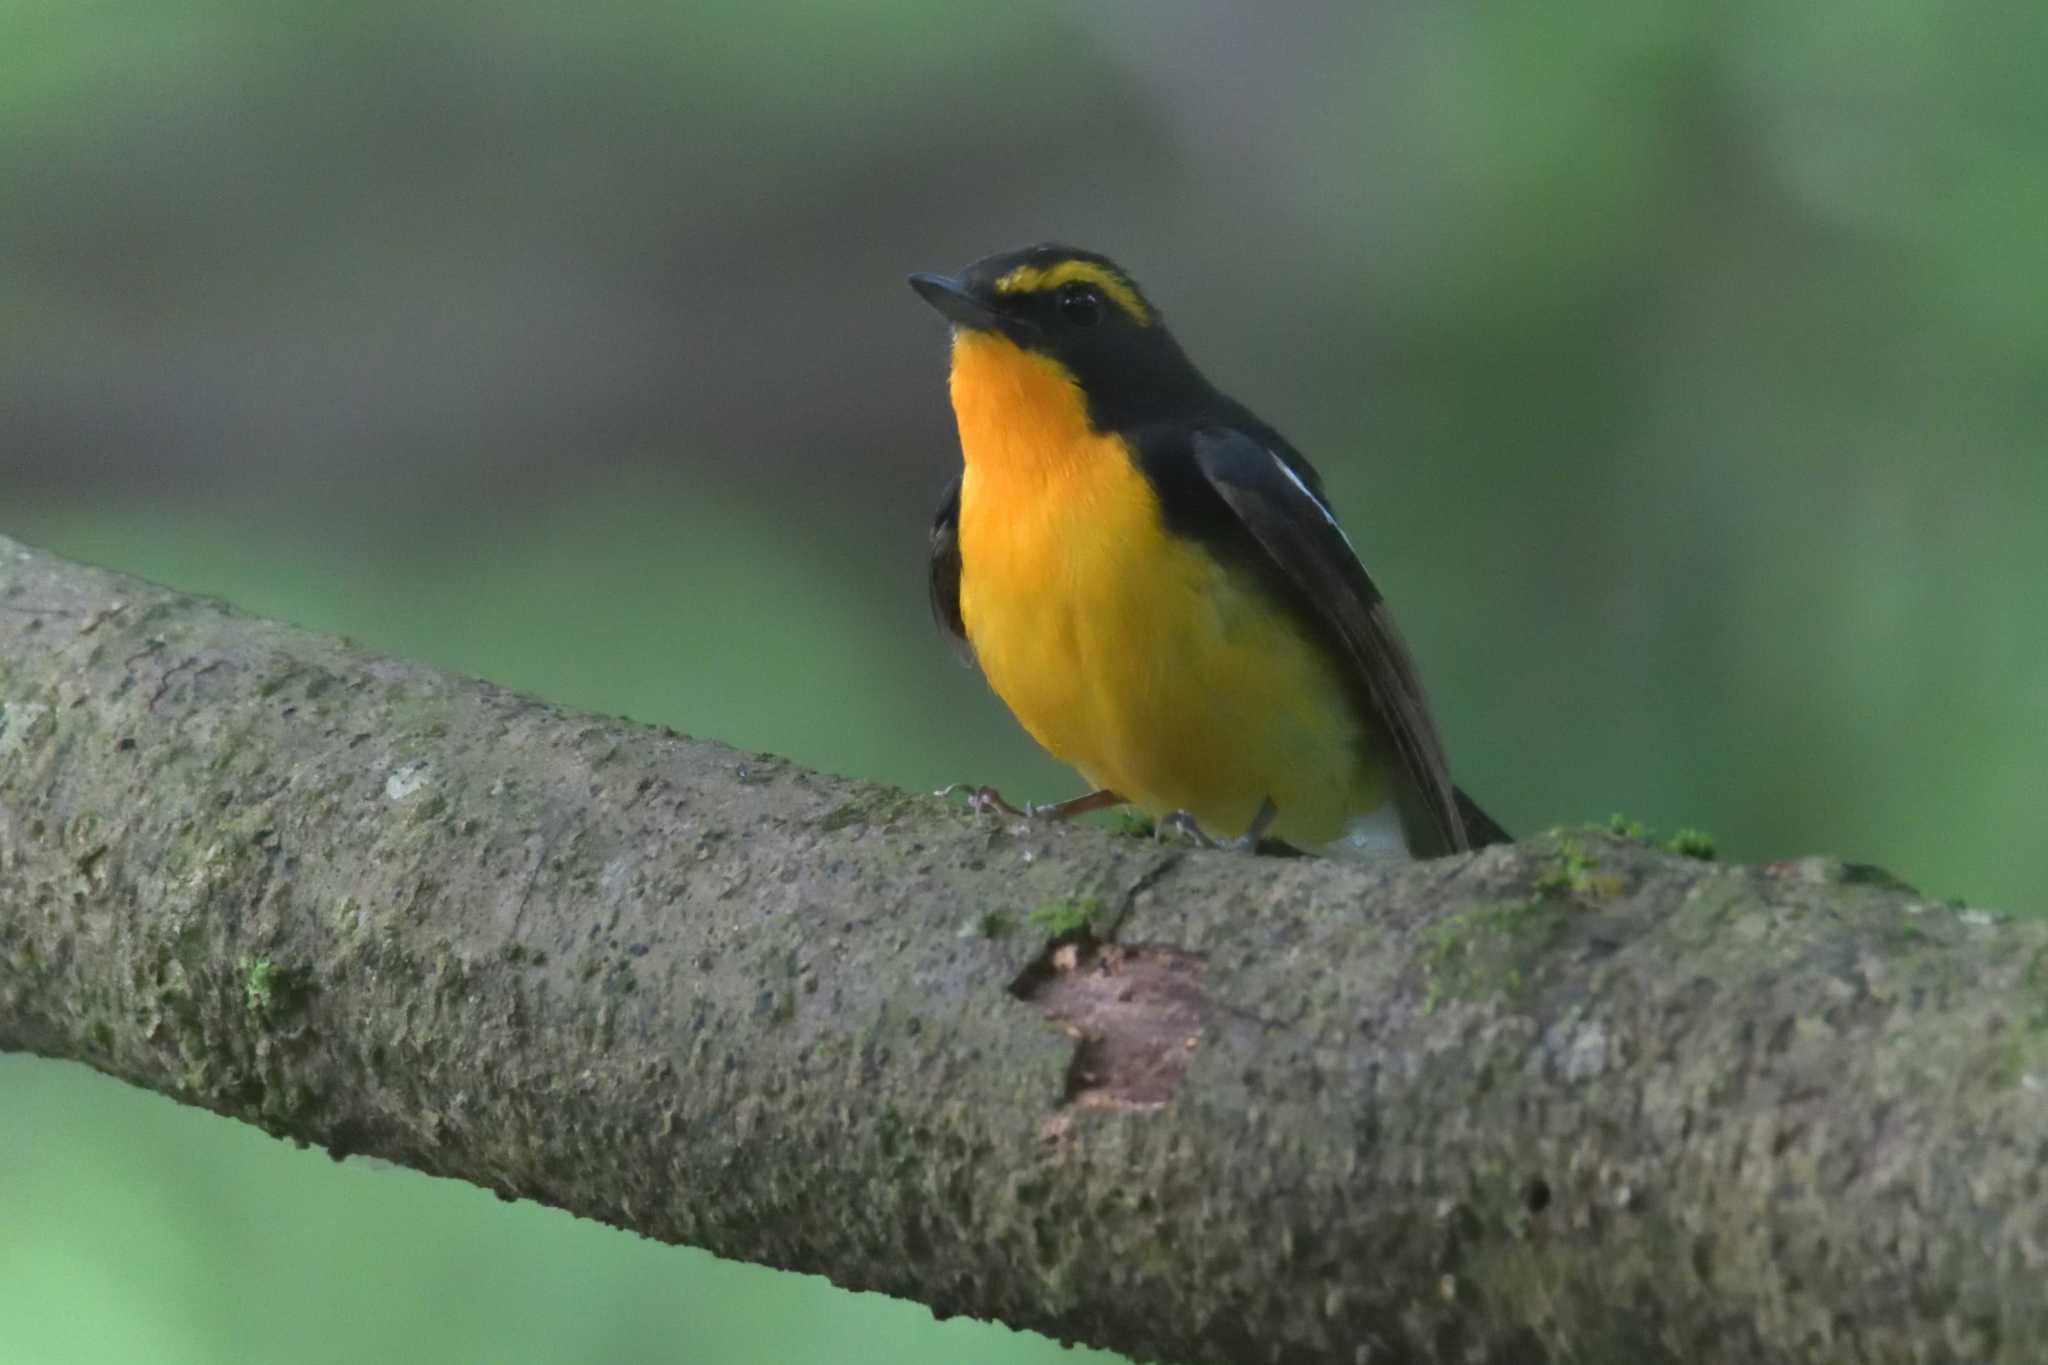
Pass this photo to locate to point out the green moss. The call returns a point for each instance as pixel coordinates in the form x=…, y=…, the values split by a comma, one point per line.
x=1059, y=916
x=1568, y=871
x=1693, y=843
x=259, y=982
x=1481, y=952
x=1622, y=825
x=1129, y=820
x=268, y=987
x=1690, y=843
x=846, y=813
x=993, y=924
x=1575, y=872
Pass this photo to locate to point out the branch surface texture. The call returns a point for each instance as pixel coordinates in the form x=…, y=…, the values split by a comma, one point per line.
x=1570, y=1100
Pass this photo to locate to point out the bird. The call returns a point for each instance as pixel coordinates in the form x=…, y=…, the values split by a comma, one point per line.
x=1155, y=583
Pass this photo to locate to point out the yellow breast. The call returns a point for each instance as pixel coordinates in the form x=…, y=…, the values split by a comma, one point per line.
x=1126, y=651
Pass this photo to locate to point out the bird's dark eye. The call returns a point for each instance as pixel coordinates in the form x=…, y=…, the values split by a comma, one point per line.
x=1080, y=304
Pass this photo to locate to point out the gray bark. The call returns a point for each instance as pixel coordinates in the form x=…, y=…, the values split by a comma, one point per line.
x=1570, y=1100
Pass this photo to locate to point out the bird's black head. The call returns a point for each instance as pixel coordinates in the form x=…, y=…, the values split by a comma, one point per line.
x=1081, y=310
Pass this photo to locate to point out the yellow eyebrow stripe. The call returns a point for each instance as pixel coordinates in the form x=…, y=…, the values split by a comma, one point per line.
x=1027, y=279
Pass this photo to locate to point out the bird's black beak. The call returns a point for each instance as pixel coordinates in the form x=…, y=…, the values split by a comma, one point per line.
x=954, y=302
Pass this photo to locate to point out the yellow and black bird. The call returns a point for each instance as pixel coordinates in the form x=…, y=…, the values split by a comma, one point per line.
x=1153, y=581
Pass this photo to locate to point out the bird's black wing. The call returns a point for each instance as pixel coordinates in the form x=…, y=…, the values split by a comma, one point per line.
x=945, y=582
x=1273, y=494
x=1481, y=829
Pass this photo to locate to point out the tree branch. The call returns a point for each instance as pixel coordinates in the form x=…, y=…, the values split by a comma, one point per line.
x=1569, y=1100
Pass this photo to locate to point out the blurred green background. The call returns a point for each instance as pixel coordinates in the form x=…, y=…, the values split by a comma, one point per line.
x=1681, y=371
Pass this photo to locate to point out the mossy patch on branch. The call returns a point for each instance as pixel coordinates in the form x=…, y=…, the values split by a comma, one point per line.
x=1624, y=827
x=1687, y=843
x=1693, y=843
x=988, y=924
x=1059, y=916
x=1130, y=821
x=269, y=987
x=1576, y=872
x=1478, y=952
x=259, y=982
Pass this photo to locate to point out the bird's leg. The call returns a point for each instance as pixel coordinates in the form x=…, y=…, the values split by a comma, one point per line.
x=982, y=800
x=1102, y=798
x=1248, y=842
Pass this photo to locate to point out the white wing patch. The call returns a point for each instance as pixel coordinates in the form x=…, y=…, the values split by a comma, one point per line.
x=1319, y=504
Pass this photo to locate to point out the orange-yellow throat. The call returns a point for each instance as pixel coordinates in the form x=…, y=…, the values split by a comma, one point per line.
x=1127, y=651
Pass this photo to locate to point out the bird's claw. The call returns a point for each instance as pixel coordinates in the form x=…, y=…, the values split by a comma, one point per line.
x=984, y=800
x=1183, y=827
